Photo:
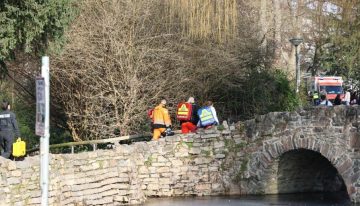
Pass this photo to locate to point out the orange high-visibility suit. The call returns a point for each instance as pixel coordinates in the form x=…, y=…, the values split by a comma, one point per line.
x=161, y=120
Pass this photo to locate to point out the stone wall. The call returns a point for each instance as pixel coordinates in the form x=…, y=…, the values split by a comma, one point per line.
x=175, y=166
x=246, y=158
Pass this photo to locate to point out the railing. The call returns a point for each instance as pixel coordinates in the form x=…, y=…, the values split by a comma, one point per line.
x=94, y=143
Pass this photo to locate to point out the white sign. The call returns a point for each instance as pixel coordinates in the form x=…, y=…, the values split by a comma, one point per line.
x=40, y=106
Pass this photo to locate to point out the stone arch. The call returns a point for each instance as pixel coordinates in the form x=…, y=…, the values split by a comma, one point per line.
x=263, y=164
x=303, y=170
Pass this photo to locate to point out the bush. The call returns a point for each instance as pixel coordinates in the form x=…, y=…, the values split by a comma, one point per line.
x=263, y=91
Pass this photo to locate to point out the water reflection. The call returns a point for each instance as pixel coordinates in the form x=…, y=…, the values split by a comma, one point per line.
x=317, y=199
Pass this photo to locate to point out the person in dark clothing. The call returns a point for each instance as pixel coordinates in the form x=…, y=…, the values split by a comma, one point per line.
x=337, y=100
x=353, y=98
x=8, y=129
x=324, y=101
x=316, y=99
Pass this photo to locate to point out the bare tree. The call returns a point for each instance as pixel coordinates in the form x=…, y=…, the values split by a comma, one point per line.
x=124, y=56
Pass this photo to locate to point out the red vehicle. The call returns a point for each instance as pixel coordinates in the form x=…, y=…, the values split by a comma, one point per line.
x=333, y=86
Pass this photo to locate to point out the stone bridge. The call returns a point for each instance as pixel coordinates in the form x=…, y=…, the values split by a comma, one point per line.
x=312, y=150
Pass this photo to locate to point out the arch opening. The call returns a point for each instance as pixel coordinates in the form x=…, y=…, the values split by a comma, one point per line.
x=307, y=171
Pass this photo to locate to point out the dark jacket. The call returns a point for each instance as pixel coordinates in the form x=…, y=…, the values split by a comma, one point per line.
x=337, y=101
x=8, y=122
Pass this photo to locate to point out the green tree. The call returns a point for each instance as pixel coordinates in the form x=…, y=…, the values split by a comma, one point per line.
x=28, y=29
x=31, y=25
x=341, y=55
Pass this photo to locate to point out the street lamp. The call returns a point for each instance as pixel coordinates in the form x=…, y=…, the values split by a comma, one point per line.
x=296, y=41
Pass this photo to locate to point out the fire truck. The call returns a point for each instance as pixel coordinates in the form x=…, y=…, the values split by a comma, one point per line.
x=333, y=85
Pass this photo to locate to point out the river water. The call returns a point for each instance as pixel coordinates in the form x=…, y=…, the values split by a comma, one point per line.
x=317, y=199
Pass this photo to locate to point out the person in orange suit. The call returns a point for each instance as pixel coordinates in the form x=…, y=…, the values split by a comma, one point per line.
x=161, y=120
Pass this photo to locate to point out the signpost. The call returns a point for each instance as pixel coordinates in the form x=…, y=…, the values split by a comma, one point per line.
x=43, y=126
x=40, y=107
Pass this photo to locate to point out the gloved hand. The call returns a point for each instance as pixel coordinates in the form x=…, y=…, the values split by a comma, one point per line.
x=169, y=132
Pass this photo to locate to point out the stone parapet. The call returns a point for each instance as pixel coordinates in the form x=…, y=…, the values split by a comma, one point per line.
x=266, y=155
x=173, y=166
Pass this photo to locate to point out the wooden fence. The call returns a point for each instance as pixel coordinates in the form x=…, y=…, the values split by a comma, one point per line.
x=93, y=143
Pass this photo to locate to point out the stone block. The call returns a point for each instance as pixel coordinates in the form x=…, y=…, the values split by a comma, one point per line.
x=178, y=191
x=344, y=166
x=161, y=158
x=163, y=170
x=195, y=151
x=102, y=201
x=175, y=138
x=355, y=177
x=219, y=144
x=220, y=156
x=143, y=176
x=208, y=136
x=143, y=170
x=217, y=187
x=182, y=153
x=167, y=149
x=202, y=187
x=11, y=165
x=152, y=187
x=158, y=164
x=225, y=132
x=16, y=173
x=35, y=201
x=177, y=163
x=207, y=148
x=166, y=174
x=324, y=149
x=18, y=203
x=202, y=160
x=355, y=140
x=23, y=164
x=164, y=181
x=154, y=175
x=150, y=180
x=13, y=181
x=123, y=149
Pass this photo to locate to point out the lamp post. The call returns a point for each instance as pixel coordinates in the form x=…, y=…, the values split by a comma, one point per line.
x=296, y=41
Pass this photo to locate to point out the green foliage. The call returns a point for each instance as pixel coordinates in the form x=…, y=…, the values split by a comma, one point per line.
x=220, y=127
x=340, y=54
x=149, y=161
x=188, y=144
x=262, y=91
x=25, y=115
x=207, y=153
x=233, y=147
x=243, y=167
x=29, y=25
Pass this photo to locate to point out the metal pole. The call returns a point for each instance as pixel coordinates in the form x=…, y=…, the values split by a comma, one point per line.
x=297, y=70
x=44, y=140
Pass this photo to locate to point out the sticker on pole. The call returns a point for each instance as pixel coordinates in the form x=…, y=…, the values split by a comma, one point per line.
x=40, y=107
